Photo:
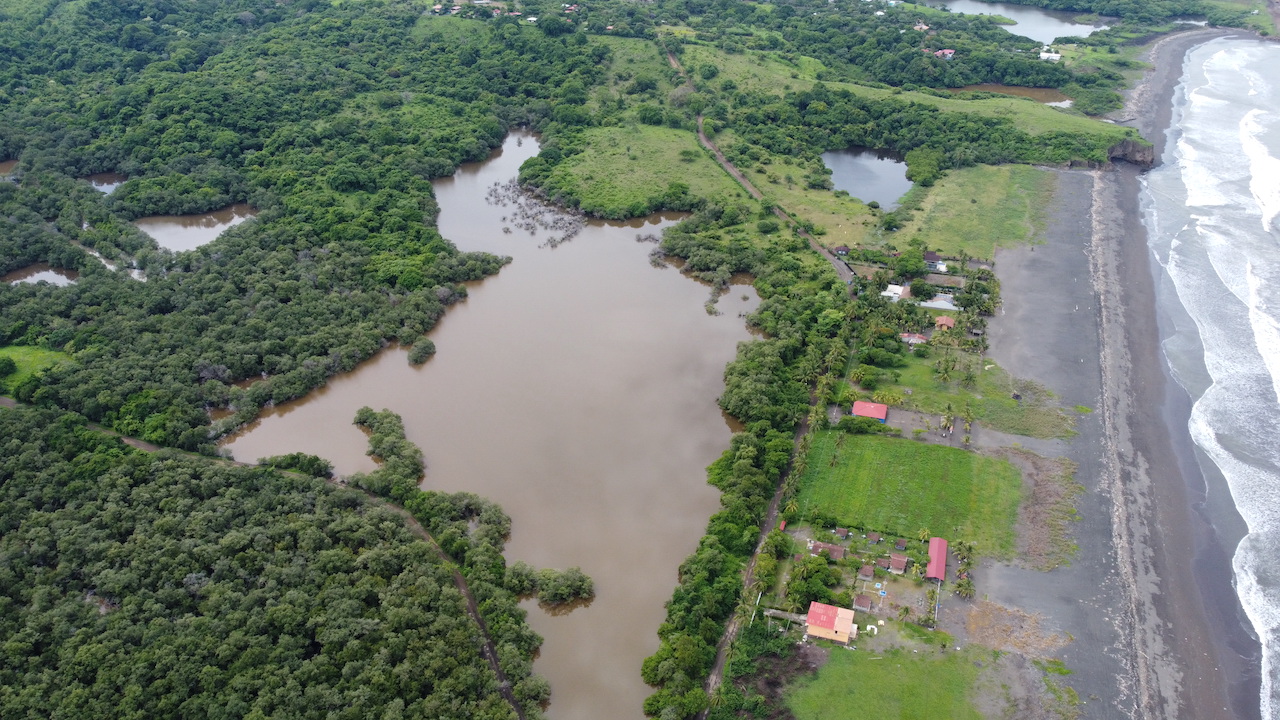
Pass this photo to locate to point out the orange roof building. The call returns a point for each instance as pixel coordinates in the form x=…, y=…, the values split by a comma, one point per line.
x=830, y=622
x=876, y=411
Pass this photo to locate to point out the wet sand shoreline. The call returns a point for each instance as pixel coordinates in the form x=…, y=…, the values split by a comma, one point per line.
x=1148, y=600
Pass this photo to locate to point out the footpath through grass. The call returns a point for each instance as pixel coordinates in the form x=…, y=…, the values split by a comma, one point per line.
x=977, y=209
x=897, y=684
x=29, y=360
x=901, y=486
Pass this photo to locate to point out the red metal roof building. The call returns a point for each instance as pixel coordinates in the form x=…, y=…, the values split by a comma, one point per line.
x=862, y=408
x=830, y=622
x=937, y=568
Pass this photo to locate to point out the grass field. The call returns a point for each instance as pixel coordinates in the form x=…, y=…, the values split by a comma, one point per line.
x=627, y=164
x=900, y=486
x=990, y=400
x=29, y=360
x=773, y=72
x=978, y=209
x=898, y=684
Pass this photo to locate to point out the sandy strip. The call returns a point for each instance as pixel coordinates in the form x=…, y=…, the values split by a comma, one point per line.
x=1147, y=600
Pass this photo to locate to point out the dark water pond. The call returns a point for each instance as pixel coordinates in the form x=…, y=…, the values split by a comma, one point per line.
x=106, y=182
x=1036, y=23
x=188, y=232
x=7, y=167
x=577, y=388
x=40, y=272
x=1048, y=96
x=869, y=174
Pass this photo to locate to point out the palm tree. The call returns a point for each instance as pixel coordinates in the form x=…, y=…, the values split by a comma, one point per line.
x=923, y=534
x=965, y=589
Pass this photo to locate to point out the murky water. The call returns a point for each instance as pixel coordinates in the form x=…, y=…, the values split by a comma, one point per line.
x=40, y=272
x=577, y=388
x=869, y=174
x=106, y=182
x=188, y=232
x=1036, y=23
x=7, y=167
x=1048, y=96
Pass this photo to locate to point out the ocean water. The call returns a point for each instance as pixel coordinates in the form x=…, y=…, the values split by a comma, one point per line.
x=1213, y=215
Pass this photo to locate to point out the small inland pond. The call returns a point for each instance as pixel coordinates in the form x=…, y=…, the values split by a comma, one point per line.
x=106, y=182
x=1036, y=23
x=40, y=272
x=869, y=174
x=188, y=232
x=577, y=388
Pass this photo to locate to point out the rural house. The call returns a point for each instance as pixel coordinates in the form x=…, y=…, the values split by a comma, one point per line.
x=830, y=622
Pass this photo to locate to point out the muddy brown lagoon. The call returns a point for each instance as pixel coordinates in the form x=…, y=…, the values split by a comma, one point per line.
x=577, y=388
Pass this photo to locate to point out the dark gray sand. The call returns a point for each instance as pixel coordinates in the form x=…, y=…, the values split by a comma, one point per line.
x=1155, y=623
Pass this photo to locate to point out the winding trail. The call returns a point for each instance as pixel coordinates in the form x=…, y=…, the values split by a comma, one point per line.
x=487, y=648
x=842, y=270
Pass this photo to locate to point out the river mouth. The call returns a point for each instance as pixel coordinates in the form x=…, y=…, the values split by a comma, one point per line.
x=1039, y=24
x=577, y=389
x=188, y=232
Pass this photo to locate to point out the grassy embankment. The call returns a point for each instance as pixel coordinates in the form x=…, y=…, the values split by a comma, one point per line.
x=900, y=486
x=29, y=360
x=897, y=684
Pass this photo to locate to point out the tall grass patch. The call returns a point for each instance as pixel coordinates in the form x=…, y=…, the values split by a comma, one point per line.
x=975, y=210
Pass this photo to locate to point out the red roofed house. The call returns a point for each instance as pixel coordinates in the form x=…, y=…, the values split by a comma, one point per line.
x=897, y=564
x=835, y=551
x=880, y=412
x=913, y=338
x=863, y=603
x=945, y=54
x=937, y=569
x=841, y=250
x=830, y=622
x=944, y=321
x=868, y=572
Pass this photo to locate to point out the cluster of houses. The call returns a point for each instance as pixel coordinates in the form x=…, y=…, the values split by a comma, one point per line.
x=836, y=623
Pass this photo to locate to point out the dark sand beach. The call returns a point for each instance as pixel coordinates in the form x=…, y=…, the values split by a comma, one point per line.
x=1157, y=629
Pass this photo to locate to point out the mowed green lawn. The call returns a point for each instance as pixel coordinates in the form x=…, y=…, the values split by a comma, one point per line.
x=899, y=486
x=29, y=360
x=899, y=685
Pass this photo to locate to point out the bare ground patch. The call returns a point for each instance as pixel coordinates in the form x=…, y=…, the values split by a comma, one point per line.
x=1048, y=511
x=1012, y=630
x=1011, y=687
x=775, y=674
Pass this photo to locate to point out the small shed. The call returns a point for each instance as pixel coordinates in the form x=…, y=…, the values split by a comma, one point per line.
x=944, y=321
x=867, y=572
x=863, y=603
x=873, y=538
x=897, y=563
x=882, y=563
x=842, y=533
x=937, y=568
x=830, y=622
x=900, y=544
x=841, y=250
x=894, y=293
x=877, y=411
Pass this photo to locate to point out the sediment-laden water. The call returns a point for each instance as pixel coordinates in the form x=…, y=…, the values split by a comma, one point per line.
x=1212, y=214
x=1033, y=22
x=188, y=232
x=577, y=388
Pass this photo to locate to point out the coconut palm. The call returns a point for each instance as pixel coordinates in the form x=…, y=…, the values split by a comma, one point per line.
x=965, y=589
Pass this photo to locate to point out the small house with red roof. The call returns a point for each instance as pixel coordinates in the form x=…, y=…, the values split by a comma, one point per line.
x=830, y=622
x=863, y=603
x=913, y=339
x=835, y=551
x=897, y=563
x=868, y=572
x=877, y=411
x=937, y=568
x=944, y=322
x=873, y=538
